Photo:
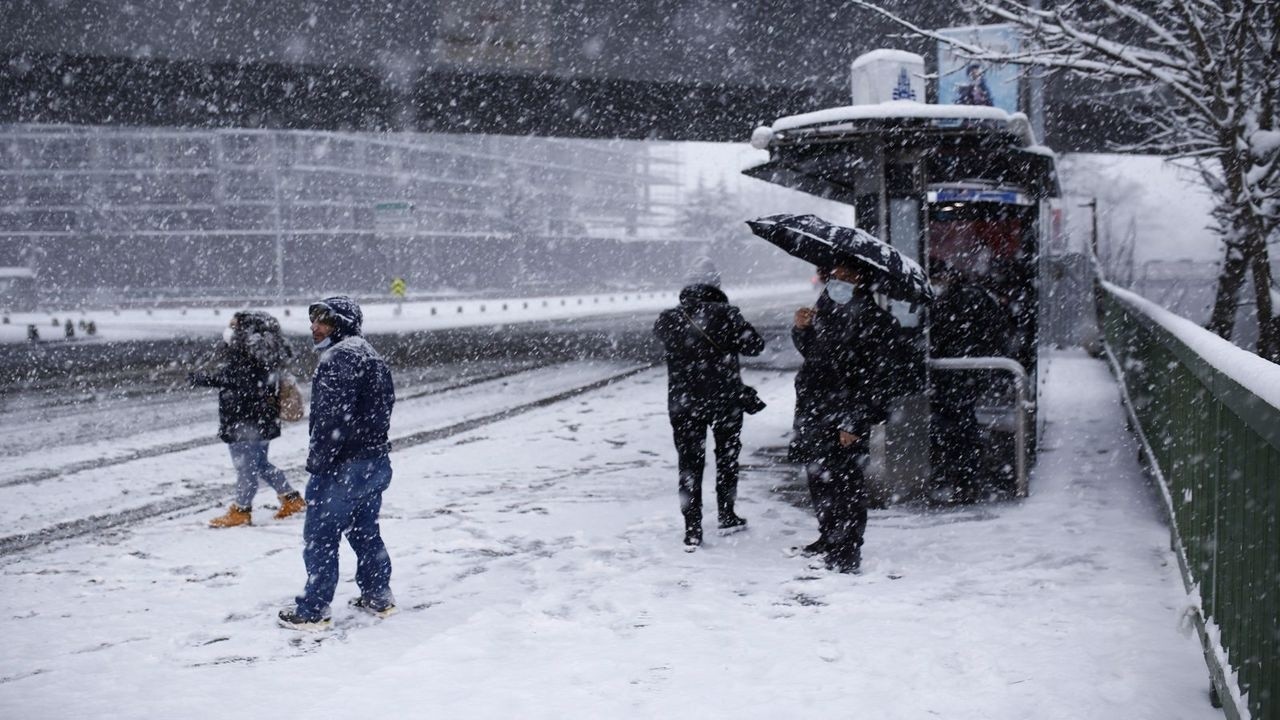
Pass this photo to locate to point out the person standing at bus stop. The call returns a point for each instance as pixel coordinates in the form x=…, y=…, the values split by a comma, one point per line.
x=849, y=345
x=703, y=337
x=966, y=320
x=352, y=396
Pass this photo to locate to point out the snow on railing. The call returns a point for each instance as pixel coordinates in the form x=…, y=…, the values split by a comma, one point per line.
x=1208, y=416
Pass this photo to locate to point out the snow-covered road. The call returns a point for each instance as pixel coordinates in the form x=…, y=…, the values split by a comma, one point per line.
x=87, y=481
x=538, y=563
x=380, y=318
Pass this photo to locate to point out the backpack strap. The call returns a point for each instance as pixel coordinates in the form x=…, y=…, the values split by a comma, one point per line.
x=702, y=332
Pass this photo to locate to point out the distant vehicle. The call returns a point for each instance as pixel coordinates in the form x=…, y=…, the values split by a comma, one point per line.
x=17, y=289
x=959, y=187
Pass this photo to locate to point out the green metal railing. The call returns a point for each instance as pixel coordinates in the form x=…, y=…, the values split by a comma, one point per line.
x=1215, y=446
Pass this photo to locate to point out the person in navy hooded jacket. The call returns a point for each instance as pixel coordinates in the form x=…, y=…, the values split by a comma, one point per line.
x=349, y=460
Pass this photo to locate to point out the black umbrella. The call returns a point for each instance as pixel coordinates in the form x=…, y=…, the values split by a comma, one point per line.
x=815, y=240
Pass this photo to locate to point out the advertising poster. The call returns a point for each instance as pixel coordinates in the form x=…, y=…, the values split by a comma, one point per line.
x=967, y=82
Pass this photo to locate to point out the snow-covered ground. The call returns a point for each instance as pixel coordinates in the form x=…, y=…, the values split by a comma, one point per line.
x=381, y=318
x=538, y=563
x=93, y=481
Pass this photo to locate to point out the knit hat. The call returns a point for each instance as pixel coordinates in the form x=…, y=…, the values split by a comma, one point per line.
x=703, y=272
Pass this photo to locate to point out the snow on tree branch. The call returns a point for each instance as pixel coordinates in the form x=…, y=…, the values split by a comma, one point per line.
x=1210, y=73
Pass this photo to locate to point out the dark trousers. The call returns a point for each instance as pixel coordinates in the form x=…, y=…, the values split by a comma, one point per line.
x=956, y=447
x=347, y=500
x=690, y=431
x=837, y=487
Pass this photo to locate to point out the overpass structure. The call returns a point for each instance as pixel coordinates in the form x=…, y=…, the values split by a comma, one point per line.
x=109, y=213
x=675, y=69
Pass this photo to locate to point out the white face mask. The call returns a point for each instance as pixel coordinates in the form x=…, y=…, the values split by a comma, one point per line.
x=227, y=334
x=839, y=291
x=322, y=344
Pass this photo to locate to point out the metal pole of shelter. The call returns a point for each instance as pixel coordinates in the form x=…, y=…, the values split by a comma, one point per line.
x=1022, y=402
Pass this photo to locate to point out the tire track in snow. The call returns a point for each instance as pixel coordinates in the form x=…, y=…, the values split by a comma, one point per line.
x=70, y=529
x=176, y=447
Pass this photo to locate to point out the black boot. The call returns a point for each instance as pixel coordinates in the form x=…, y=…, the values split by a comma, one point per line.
x=291, y=620
x=845, y=562
x=817, y=547
x=731, y=524
x=692, y=537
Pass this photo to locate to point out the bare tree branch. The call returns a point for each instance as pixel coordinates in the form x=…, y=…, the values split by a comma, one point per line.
x=1210, y=73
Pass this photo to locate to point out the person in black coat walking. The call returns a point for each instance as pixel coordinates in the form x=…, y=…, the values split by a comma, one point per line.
x=250, y=362
x=703, y=338
x=850, y=347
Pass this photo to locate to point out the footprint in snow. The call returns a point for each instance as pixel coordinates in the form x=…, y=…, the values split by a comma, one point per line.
x=829, y=652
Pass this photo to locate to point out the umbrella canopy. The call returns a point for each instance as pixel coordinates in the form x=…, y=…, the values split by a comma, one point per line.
x=815, y=240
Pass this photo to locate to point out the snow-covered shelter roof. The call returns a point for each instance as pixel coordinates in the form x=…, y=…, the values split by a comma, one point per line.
x=853, y=118
x=16, y=272
x=835, y=153
x=882, y=54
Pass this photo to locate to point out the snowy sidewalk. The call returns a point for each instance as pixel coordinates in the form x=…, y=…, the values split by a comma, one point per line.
x=539, y=566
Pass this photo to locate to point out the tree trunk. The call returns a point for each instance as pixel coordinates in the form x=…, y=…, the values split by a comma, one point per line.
x=1245, y=244
x=1260, y=266
x=1231, y=278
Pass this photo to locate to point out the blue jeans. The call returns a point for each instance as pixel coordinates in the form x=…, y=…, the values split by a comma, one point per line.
x=345, y=500
x=250, y=461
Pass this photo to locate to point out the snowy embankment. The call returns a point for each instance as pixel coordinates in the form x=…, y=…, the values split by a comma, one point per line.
x=382, y=318
x=538, y=564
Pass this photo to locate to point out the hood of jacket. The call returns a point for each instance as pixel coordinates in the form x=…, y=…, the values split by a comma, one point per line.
x=345, y=313
x=702, y=293
x=258, y=335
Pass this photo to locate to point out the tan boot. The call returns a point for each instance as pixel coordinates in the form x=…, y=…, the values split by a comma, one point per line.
x=289, y=504
x=236, y=515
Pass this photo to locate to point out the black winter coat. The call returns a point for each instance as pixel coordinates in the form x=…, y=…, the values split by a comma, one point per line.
x=967, y=321
x=853, y=357
x=702, y=370
x=247, y=397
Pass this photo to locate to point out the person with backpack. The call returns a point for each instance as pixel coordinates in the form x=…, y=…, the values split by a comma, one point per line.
x=703, y=337
x=251, y=362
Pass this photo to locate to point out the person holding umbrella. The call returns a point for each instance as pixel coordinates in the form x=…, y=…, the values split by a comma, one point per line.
x=854, y=357
x=848, y=343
